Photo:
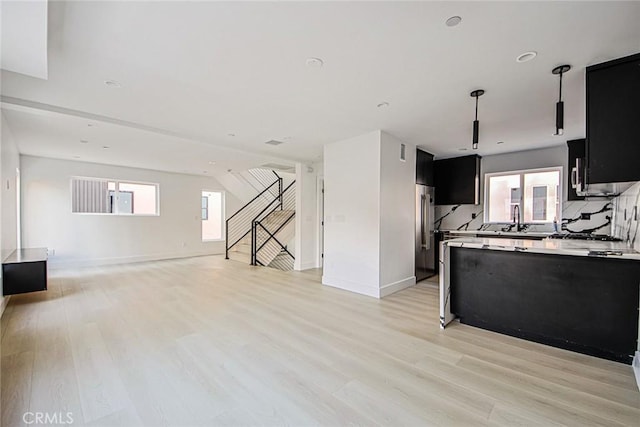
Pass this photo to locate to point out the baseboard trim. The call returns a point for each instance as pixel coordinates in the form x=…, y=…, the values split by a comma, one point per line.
x=97, y=262
x=348, y=285
x=636, y=368
x=306, y=266
x=397, y=286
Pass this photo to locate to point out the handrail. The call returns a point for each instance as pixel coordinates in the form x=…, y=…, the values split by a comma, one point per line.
x=273, y=236
x=279, y=198
x=246, y=217
x=266, y=203
x=254, y=243
x=250, y=201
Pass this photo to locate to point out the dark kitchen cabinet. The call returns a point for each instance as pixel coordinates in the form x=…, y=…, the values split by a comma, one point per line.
x=424, y=168
x=577, y=153
x=457, y=180
x=613, y=124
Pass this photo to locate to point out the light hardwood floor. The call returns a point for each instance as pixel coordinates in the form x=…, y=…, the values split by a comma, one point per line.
x=207, y=342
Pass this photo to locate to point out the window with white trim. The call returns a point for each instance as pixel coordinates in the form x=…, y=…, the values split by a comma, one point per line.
x=536, y=192
x=112, y=197
x=212, y=214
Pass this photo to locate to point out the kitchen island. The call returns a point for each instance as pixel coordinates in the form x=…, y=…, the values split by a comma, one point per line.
x=577, y=295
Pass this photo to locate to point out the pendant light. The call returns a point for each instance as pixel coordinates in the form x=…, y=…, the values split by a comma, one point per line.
x=476, y=124
x=560, y=105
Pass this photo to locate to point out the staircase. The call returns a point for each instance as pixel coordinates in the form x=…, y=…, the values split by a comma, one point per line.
x=258, y=233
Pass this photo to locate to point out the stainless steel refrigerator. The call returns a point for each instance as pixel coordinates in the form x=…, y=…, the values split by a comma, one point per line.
x=425, y=244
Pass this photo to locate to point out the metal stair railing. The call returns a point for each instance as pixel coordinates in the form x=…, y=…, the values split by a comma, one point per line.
x=240, y=224
x=262, y=237
x=264, y=177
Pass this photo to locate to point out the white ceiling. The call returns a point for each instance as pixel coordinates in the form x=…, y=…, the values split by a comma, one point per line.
x=23, y=39
x=200, y=71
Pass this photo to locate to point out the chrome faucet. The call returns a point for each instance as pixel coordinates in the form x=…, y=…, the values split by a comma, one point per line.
x=516, y=217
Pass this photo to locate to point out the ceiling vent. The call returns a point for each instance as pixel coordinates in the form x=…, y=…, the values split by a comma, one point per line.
x=273, y=142
x=276, y=166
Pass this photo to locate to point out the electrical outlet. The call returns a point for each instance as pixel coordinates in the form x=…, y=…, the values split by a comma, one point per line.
x=585, y=215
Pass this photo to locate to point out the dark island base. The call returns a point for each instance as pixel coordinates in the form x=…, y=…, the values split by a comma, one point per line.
x=584, y=304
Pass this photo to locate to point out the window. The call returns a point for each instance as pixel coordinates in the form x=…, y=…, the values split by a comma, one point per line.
x=536, y=192
x=212, y=208
x=103, y=196
x=205, y=208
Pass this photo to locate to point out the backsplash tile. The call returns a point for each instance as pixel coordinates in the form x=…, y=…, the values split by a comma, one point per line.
x=600, y=212
x=460, y=217
x=626, y=216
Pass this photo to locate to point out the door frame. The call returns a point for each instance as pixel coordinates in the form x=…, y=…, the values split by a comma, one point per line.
x=320, y=216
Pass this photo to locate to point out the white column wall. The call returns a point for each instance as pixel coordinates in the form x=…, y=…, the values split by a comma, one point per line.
x=352, y=214
x=306, y=244
x=369, y=215
x=397, y=215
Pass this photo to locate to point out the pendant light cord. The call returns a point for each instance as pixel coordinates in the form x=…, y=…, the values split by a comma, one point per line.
x=477, y=107
x=560, y=91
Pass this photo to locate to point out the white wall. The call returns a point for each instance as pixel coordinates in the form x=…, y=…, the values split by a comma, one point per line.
x=306, y=243
x=369, y=215
x=9, y=162
x=397, y=215
x=531, y=159
x=86, y=239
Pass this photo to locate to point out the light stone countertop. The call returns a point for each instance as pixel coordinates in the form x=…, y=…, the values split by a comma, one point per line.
x=522, y=234
x=549, y=246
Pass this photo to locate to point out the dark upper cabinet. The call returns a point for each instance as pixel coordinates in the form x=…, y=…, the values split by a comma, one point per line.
x=613, y=121
x=457, y=180
x=577, y=153
x=424, y=168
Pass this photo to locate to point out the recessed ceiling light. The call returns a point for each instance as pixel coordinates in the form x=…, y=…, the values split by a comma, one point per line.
x=212, y=162
x=112, y=83
x=231, y=134
x=453, y=21
x=383, y=105
x=526, y=57
x=462, y=149
x=106, y=147
x=314, y=62
x=84, y=141
x=500, y=142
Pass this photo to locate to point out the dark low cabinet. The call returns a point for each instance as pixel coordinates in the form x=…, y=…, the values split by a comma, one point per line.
x=579, y=303
x=25, y=270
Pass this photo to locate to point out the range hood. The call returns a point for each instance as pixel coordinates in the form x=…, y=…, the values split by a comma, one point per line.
x=578, y=183
x=603, y=190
